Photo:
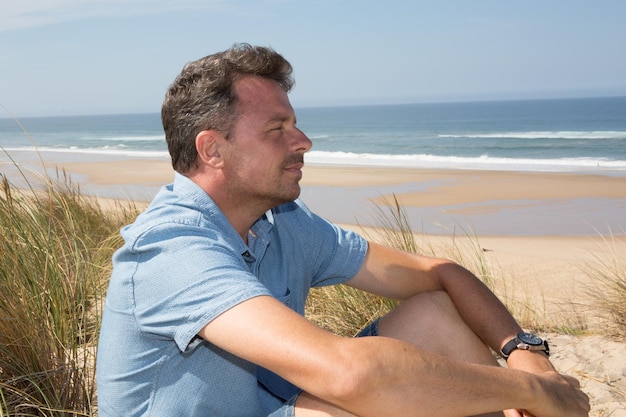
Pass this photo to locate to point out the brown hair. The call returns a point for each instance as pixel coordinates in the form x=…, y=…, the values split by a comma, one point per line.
x=202, y=97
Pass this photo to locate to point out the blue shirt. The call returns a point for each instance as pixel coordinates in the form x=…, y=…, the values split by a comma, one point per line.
x=181, y=266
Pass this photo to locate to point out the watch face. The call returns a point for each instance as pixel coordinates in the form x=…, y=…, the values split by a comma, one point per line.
x=530, y=339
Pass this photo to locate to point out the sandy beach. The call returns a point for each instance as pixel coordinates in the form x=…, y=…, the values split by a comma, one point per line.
x=537, y=231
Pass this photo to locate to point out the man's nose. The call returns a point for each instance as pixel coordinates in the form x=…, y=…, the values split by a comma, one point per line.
x=302, y=141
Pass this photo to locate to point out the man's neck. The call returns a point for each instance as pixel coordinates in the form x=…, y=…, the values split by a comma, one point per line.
x=240, y=212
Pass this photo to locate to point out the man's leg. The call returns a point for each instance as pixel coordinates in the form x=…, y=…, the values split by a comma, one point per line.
x=429, y=321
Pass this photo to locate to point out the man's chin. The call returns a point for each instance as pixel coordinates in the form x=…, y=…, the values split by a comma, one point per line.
x=288, y=198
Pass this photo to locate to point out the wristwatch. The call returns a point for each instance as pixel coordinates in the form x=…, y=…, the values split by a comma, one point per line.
x=525, y=341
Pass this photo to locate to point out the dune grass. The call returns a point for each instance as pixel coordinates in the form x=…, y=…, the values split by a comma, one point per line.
x=55, y=251
x=606, y=288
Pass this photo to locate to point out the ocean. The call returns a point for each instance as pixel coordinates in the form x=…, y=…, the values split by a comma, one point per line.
x=562, y=135
x=570, y=136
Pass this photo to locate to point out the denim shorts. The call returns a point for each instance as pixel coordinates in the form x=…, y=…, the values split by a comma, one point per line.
x=288, y=409
x=370, y=330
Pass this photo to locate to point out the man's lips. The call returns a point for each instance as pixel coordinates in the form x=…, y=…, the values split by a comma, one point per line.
x=295, y=164
x=295, y=169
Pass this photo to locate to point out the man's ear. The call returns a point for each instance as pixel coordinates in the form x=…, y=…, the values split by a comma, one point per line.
x=208, y=148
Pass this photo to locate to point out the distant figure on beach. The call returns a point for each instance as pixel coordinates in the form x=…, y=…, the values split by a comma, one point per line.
x=204, y=311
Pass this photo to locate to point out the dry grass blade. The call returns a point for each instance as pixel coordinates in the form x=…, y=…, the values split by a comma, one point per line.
x=54, y=257
x=606, y=287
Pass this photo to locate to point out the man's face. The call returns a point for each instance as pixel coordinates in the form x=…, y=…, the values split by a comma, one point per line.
x=265, y=150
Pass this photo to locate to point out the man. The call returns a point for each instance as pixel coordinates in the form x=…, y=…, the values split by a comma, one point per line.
x=203, y=315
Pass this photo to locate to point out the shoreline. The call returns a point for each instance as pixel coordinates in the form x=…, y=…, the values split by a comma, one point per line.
x=485, y=203
x=436, y=201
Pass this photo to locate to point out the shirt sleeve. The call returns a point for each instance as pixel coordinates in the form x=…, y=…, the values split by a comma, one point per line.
x=183, y=284
x=336, y=254
x=343, y=258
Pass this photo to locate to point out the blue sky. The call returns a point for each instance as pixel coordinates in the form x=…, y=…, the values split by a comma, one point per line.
x=62, y=57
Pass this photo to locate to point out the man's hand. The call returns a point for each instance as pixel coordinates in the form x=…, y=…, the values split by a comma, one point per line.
x=564, y=394
x=564, y=397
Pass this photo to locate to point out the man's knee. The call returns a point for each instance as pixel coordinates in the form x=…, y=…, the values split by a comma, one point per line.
x=428, y=311
x=431, y=322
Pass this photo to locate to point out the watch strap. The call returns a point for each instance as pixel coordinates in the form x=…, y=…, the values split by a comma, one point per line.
x=515, y=343
x=509, y=347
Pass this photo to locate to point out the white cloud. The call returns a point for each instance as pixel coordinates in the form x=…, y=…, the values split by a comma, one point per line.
x=33, y=13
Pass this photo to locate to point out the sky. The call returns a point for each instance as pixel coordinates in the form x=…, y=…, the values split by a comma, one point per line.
x=72, y=57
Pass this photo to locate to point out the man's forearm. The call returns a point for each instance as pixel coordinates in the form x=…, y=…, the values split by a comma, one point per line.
x=395, y=379
x=483, y=312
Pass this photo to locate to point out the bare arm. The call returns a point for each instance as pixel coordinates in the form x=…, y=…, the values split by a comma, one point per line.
x=400, y=275
x=375, y=376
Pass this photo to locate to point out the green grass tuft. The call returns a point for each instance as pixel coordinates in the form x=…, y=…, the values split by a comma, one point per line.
x=55, y=251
